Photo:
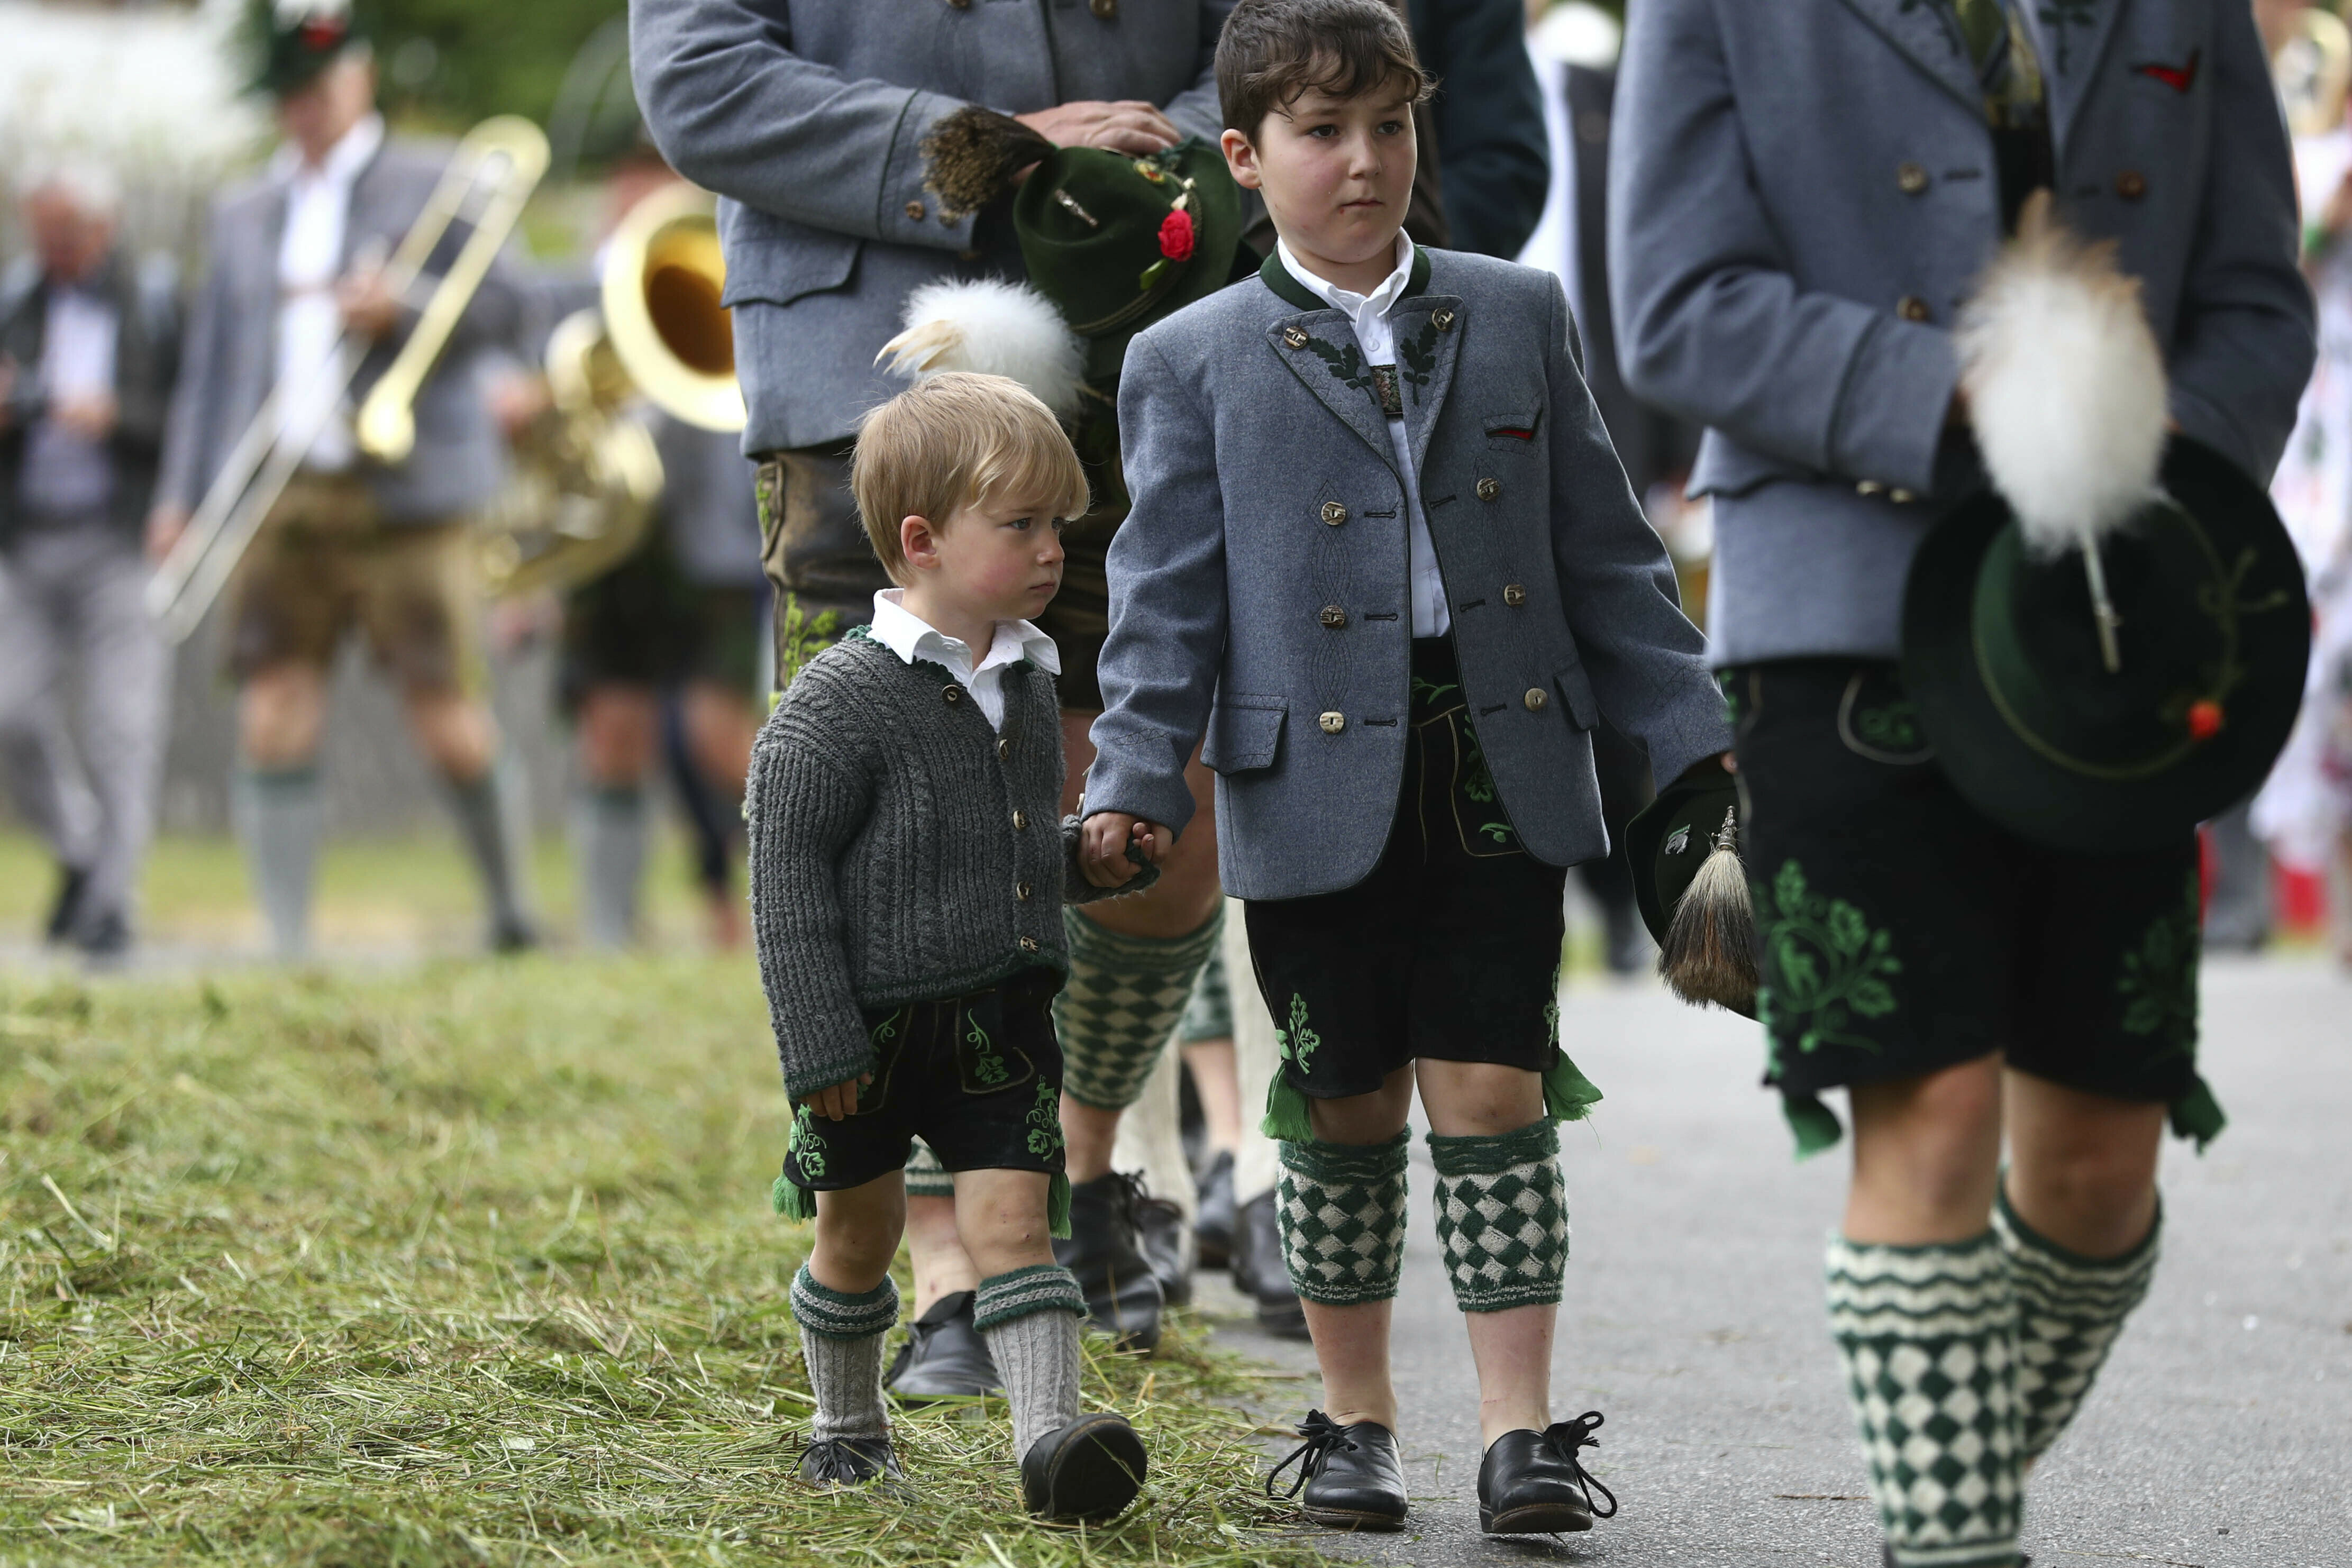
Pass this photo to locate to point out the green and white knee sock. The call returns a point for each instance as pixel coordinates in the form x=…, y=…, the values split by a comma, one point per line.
x=926, y=1177
x=1502, y=1217
x=1030, y=1318
x=1928, y=1335
x=1120, y=1005
x=608, y=837
x=279, y=812
x=1341, y=1209
x=841, y=1341
x=2069, y=1311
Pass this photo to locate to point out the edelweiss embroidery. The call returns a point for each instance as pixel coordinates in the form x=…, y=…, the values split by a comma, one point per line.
x=1297, y=1043
x=1044, y=1121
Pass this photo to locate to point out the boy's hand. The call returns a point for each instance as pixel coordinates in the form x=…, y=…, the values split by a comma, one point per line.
x=840, y=1101
x=1103, y=842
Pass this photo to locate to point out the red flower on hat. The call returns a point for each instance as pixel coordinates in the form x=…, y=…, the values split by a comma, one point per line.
x=1176, y=235
x=322, y=32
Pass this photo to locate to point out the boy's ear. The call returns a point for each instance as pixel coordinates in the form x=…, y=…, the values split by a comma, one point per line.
x=918, y=542
x=1241, y=157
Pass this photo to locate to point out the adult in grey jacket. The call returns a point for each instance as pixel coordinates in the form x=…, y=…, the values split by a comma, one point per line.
x=1801, y=197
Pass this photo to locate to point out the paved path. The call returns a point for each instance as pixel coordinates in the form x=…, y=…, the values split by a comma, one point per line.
x=2221, y=1435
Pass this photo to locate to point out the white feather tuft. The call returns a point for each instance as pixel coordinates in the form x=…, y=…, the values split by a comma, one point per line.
x=2065, y=385
x=994, y=328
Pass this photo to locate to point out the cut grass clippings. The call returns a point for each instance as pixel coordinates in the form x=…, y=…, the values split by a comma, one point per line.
x=470, y=1265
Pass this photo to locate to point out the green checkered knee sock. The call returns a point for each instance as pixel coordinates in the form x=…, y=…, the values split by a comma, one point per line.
x=1341, y=1208
x=1928, y=1335
x=841, y=1341
x=1122, y=1001
x=2069, y=1311
x=1030, y=1318
x=1502, y=1217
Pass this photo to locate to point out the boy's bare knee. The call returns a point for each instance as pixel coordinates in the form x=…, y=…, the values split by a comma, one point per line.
x=1373, y=1117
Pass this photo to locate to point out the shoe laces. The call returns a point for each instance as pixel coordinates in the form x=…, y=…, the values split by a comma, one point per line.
x=1564, y=1438
x=837, y=1463
x=1323, y=1435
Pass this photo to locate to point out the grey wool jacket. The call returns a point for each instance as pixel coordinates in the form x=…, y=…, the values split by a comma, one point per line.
x=902, y=850
x=1259, y=590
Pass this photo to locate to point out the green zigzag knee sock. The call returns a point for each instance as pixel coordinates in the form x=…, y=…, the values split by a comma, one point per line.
x=1122, y=1001
x=2069, y=1311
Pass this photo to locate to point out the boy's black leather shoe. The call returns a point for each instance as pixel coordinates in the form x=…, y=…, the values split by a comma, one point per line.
x=944, y=1356
x=1531, y=1483
x=849, y=1462
x=1347, y=1476
x=1091, y=1469
x=1102, y=1249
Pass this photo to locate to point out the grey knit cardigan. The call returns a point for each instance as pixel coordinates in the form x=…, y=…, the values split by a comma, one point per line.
x=902, y=850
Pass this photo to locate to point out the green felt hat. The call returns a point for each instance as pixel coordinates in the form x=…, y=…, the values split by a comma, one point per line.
x=1670, y=838
x=287, y=43
x=2002, y=655
x=1119, y=242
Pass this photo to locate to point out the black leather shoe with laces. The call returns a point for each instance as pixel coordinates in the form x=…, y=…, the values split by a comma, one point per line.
x=1258, y=1272
x=1531, y=1483
x=1347, y=1476
x=944, y=1356
x=1166, y=1243
x=1091, y=1469
x=1123, y=1296
x=849, y=1462
x=1214, y=1226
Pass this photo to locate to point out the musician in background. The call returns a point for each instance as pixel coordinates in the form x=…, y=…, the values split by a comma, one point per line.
x=88, y=351
x=295, y=261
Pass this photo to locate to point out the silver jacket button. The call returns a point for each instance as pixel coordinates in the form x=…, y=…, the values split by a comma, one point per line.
x=1332, y=723
x=1535, y=699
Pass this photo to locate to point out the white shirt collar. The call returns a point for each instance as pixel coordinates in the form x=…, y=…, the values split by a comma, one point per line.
x=910, y=637
x=1353, y=305
x=344, y=160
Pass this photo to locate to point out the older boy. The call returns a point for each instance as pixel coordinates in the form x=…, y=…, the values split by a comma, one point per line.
x=1382, y=553
x=907, y=876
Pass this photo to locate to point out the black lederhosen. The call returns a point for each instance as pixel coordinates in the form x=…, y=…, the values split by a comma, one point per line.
x=977, y=1077
x=1450, y=948
x=1902, y=932
x=645, y=624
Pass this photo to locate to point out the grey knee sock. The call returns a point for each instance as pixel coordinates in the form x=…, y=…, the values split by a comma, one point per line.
x=841, y=1342
x=608, y=837
x=1030, y=1319
x=279, y=813
x=490, y=819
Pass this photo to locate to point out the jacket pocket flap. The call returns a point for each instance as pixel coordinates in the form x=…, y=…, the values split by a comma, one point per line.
x=775, y=261
x=1522, y=427
x=1575, y=691
x=1244, y=733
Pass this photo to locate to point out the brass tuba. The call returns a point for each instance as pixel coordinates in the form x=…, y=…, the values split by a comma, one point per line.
x=2313, y=71
x=489, y=177
x=587, y=475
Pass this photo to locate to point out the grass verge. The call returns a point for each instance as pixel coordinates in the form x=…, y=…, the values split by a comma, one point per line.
x=469, y=1266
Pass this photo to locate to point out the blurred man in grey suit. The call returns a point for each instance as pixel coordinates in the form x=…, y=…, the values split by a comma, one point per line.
x=295, y=259
x=88, y=353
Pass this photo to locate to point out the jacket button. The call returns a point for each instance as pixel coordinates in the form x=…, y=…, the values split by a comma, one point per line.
x=2131, y=184
x=915, y=211
x=1910, y=178
x=1106, y=9
x=1912, y=308
x=951, y=694
x=1003, y=748
x=1334, y=514
x=1443, y=320
x=1868, y=488
x=1535, y=699
x=1333, y=616
x=1020, y=820
x=1332, y=723
x=960, y=5
x=1293, y=337
x=1028, y=944
x=1513, y=595
x=1021, y=891
x=1489, y=489
x=1901, y=498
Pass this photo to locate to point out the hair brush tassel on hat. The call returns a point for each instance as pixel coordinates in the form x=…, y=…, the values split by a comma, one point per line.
x=1709, y=952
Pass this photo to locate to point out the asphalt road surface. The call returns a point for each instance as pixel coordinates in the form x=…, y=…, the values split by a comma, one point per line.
x=2219, y=1435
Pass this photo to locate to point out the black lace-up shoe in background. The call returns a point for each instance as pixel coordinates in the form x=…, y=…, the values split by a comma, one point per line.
x=1531, y=1483
x=1349, y=1476
x=1103, y=1250
x=849, y=1462
x=1091, y=1469
x=1258, y=1272
x=1166, y=1243
x=944, y=1356
x=1212, y=1228
x=65, y=907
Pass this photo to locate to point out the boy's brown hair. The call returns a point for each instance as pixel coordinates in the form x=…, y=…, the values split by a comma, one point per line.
x=958, y=440
x=1272, y=51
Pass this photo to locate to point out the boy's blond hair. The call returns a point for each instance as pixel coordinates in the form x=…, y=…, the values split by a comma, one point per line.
x=959, y=439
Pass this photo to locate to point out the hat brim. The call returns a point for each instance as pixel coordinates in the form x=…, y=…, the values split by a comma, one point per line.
x=1999, y=770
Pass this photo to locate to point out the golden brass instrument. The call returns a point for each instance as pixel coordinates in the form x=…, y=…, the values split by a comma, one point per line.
x=587, y=474
x=488, y=178
x=2314, y=71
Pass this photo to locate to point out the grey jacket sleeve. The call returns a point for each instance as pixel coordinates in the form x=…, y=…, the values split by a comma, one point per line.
x=737, y=112
x=196, y=399
x=801, y=807
x=1167, y=568
x=1710, y=323
x=1647, y=663
x=2244, y=345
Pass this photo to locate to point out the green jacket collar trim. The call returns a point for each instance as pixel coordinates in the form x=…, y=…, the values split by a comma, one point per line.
x=1291, y=291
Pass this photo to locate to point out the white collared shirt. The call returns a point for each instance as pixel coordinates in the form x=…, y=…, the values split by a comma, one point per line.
x=65, y=473
x=1368, y=315
x=309, y=262
x=911, y=637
